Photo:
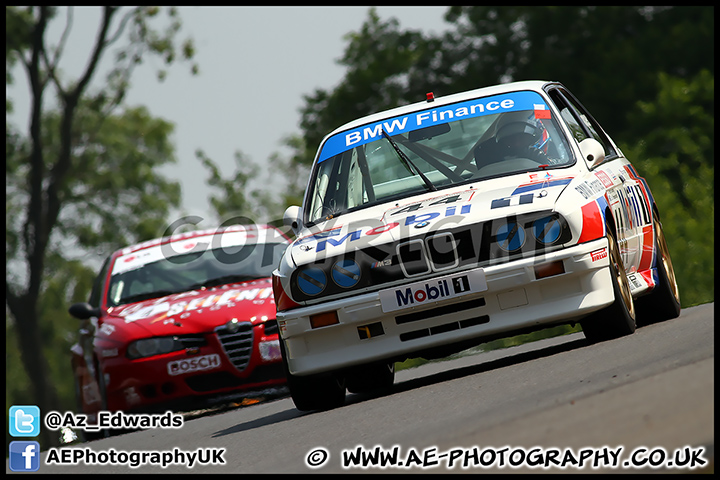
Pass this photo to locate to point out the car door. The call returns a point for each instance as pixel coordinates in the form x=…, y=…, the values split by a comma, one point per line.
x=624, y=192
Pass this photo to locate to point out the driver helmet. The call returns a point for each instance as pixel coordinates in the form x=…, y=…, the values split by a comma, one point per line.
x=517, y=130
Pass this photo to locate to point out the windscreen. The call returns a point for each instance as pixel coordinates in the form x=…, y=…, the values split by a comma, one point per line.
x=434, y=149
x=189, y=265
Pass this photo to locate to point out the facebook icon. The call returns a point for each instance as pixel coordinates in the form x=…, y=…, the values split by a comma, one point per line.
x=24, y=456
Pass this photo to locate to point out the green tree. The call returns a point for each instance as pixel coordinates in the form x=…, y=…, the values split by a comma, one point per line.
x=386, y=67
x=295, y=173
x=231, y=203
x=246, y=197
x=611, y=54
x=254, y=195
x=676, y=155
x=82, y=176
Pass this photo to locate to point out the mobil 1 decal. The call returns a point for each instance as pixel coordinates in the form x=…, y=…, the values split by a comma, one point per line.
x=434, y=290
x=406, y=216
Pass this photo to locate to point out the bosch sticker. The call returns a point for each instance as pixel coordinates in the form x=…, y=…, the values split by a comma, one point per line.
x=196, y=364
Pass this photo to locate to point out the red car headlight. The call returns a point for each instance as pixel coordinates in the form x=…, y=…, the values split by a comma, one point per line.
x=148, y=347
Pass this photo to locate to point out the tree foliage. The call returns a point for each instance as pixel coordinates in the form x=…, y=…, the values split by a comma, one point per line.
x=244, y=197
x=382, y=63
x=82, y=176
x=676, y=155
x=610, y=54
x=232, y=202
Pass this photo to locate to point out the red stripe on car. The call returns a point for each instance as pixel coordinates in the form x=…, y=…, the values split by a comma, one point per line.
x=593, y=225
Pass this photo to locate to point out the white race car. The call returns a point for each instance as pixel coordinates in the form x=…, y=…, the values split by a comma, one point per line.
x=432, y=227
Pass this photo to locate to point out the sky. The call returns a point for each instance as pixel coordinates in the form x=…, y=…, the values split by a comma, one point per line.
x=256, y=63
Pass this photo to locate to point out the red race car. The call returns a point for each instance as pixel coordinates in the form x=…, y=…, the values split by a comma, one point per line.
x=181, y=322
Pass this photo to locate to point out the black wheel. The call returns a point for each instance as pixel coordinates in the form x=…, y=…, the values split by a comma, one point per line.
x=83, y=435
x=371, y=377
x=88, y=436
x=314, y=392
x=317, y=392
x=618, y=319
x=663, y=303
x=104, y=433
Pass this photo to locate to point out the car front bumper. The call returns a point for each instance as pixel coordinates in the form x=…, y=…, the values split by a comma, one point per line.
x=179, y=381
x=515, y=300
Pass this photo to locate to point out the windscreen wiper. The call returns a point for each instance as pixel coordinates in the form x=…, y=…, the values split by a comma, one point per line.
x=407, y=162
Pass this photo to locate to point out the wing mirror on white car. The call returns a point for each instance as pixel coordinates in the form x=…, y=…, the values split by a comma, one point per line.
x=592, y=151
x=293, y=218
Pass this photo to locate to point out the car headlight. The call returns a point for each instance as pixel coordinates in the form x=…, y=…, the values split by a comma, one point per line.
x=311, y=281
x=346, y=273
x=527, y=234
x=547, y=230
x=148, y=347
x=510, y=236
x=491, y=242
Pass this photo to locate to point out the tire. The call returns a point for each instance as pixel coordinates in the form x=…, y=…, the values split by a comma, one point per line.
x=618, y=319
x=82, y=434
x=104, y=433
x=663, y=303
x=314, y=392
x=377, y=376
x=88, y=436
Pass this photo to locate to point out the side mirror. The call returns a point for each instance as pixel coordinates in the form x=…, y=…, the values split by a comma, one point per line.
x=83, y=311
x=592, y=151
x=293, y=218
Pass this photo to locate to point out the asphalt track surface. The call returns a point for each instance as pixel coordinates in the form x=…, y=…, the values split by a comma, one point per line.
x=650, y=394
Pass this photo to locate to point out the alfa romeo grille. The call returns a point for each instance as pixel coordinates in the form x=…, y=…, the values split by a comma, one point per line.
x=237, y=345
